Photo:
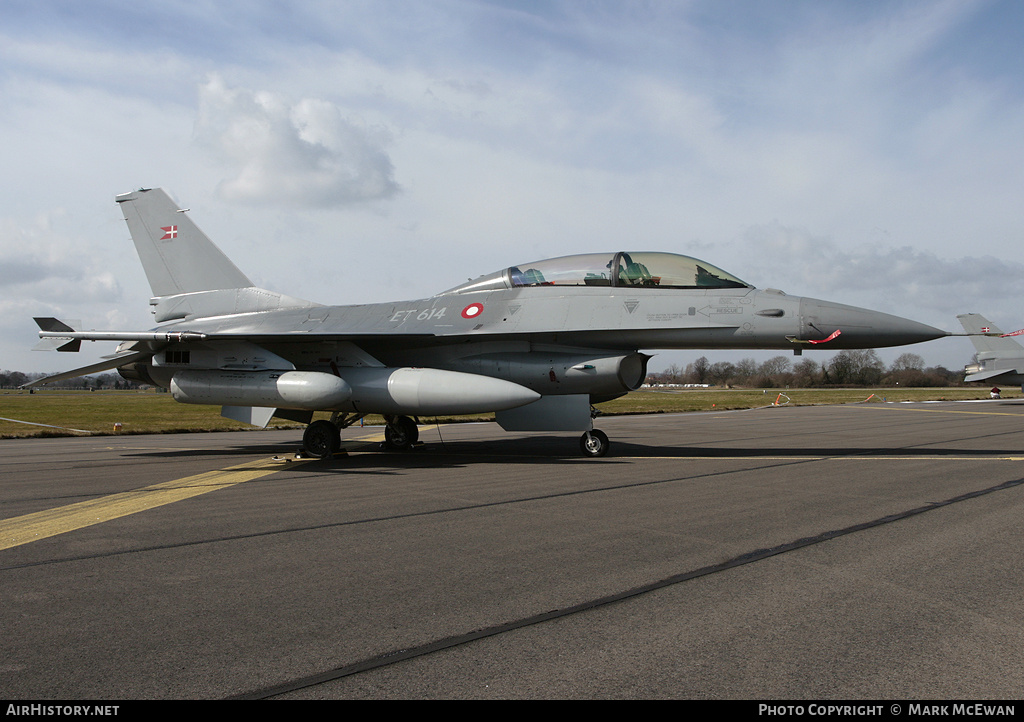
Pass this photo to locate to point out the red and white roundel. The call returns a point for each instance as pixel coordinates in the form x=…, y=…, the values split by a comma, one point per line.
x=472, y=310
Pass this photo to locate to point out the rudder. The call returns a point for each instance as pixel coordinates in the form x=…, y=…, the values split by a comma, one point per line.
x=177, y=257
x=190, y=277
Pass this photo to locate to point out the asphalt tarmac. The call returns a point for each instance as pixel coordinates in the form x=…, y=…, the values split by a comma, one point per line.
x=865, y=551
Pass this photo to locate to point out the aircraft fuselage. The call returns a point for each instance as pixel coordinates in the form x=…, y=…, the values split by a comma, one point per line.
x=553, y=340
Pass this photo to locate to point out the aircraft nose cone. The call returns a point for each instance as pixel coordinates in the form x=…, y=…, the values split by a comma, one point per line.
x=860, y=327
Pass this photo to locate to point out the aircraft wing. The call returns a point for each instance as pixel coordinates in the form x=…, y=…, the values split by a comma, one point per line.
x=106, y=365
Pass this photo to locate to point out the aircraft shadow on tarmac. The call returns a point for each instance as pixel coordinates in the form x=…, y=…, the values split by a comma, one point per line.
x=548, y=450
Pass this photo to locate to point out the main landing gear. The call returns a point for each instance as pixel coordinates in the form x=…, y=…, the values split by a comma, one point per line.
x=322, y=438
x=400, y=433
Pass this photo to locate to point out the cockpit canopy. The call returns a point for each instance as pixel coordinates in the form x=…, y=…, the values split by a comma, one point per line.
x=621, y=270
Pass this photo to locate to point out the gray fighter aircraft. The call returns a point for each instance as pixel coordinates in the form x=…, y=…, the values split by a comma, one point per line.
x=1000, y=359
x=538, y=344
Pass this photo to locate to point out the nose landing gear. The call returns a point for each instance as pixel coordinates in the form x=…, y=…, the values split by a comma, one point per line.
x=594, y=443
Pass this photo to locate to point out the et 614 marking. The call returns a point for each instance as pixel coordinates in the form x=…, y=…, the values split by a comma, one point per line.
x=424, y=315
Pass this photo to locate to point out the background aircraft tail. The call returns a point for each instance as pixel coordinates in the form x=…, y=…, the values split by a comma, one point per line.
x=998, y=360
x=993, y=345
x=189, y=275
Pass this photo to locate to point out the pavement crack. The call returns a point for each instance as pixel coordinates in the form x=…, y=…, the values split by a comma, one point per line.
x=395, y=656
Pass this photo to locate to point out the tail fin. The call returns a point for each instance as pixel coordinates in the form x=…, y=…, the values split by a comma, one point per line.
x=189, y=275
x=992, y=345
x=999, y=360
x=176, y=255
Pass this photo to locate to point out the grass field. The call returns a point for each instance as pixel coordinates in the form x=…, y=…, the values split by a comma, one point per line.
x=62, y=413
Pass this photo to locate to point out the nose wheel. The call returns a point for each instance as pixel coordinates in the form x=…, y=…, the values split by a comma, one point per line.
x=594, y=443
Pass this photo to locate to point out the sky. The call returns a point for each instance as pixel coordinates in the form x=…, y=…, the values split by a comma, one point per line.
x=869, y=153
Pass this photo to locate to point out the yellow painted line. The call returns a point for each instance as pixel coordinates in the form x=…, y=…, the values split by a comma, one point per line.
x=940, y=411
x=853, y=456
x=51, y=522
x=374, y=438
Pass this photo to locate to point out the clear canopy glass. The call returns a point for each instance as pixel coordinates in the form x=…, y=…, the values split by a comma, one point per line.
x=637, y=269
x=640, y=269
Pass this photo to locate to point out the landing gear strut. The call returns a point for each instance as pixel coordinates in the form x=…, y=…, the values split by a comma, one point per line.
x=322, y=438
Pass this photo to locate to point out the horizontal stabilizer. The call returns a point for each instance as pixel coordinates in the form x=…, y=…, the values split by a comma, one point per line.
x=992, y=374
x=92, y=369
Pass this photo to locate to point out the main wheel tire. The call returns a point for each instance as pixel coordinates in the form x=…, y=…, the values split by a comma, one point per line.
x=401, y=434
x=321, y=439
x=594, y=443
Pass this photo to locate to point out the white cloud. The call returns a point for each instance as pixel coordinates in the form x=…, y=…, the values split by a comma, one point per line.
x=517, y=131
x=44, y=271
x=903, y=280
x=306, y=153
x=39, y=262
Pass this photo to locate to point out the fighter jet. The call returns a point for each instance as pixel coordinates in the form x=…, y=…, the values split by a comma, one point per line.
x=539, y=343
x=1000, y=359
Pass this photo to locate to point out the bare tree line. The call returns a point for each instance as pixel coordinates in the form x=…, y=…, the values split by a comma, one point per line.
x=15, y=379
x=857, y=367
